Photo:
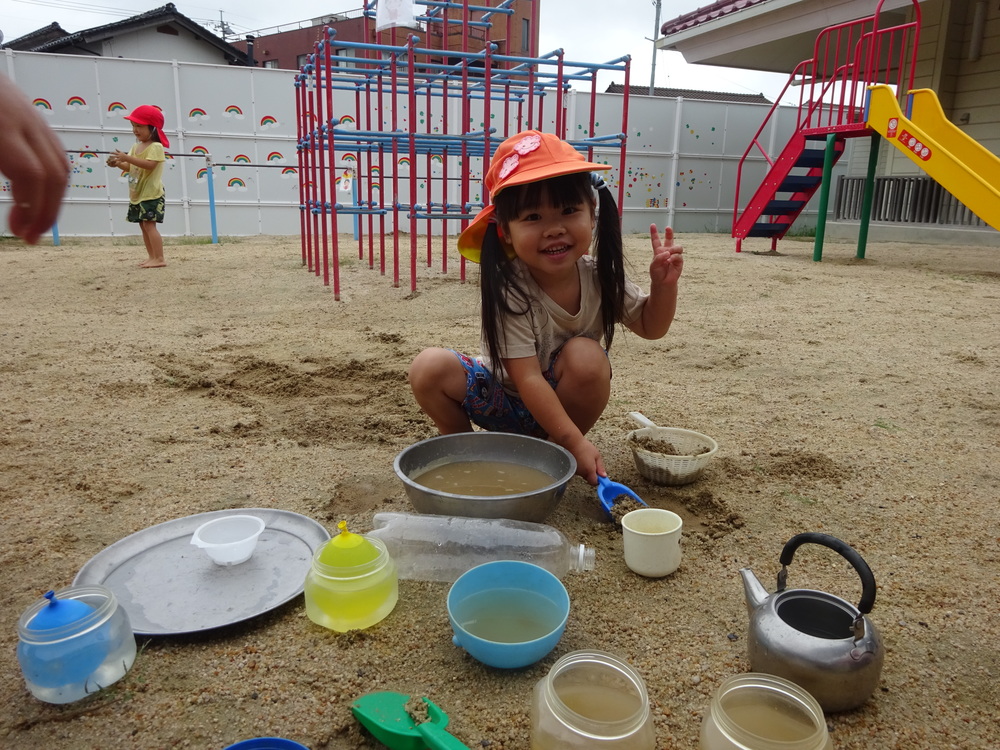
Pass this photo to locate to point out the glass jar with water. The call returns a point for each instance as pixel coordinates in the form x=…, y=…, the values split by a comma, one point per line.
x=757, y=711
x=591, y=699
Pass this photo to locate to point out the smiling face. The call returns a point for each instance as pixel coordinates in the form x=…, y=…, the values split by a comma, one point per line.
x=550, y=224
x=142, y=133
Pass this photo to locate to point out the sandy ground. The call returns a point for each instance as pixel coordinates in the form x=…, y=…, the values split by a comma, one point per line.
x=857, y=398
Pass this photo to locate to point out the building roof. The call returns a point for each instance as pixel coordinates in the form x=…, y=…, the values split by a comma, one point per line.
x=54, y=38
x=771, y=35
x=671, y=93
x=708, y=13
x=38, y=36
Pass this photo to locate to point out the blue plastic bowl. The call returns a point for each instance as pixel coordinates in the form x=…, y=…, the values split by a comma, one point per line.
x=507, y=614
x=266, y=743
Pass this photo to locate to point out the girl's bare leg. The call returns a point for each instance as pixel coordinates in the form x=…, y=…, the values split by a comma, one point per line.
x=583, y=372
x=153, y=240
x=438, y=381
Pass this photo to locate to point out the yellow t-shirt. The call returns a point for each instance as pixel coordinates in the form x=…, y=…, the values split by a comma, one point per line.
x=146, y=184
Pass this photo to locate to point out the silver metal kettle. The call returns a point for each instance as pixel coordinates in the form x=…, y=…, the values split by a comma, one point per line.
x=817, y=640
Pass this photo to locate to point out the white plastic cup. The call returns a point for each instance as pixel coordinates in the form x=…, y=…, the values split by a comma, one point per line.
x=229, y=540
x=652, y=541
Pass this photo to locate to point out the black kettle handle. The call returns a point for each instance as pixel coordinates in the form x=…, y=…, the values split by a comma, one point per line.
x=841, y=548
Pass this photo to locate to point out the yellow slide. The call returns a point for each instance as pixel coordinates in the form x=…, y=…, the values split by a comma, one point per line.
x=960, y=164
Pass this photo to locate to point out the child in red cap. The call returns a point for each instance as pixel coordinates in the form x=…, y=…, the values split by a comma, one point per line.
x=550, y=305
x=144, y=164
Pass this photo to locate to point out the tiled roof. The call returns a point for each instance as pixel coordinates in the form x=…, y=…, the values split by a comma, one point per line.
x=712, y=96
x=706, y=14
x=38, y=36
x=53, y=38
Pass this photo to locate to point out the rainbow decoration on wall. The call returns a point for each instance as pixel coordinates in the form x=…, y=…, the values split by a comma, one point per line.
x=275, y=156
x=376, y=186
x=42, y=104
x=88, y=155
x=200, y=150
x=350, y=158
x=268, y=122
x=436, y=158
x=233, y=111
x=235, y=183
x=347, y=120
x=376, y=170
x=241, y=159
x=287, y=171
x=75, y=101
x=115, y=107
x=201, y=174
x=403, y=161
x=197, y=113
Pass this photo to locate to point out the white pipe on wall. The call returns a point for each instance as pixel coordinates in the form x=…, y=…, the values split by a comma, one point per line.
x=978, y=31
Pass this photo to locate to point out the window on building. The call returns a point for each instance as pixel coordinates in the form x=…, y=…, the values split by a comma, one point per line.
x=525, y=35
x=269, y=64
x=301, y=60
x=341, y=52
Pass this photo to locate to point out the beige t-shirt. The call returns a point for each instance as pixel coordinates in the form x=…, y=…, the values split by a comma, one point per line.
x=546, y=326
x=146, y=184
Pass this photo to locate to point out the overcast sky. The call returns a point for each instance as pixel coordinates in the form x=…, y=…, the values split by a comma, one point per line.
x=588, y=31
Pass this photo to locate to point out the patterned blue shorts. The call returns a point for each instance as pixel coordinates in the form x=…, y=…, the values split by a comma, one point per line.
x=489, y=406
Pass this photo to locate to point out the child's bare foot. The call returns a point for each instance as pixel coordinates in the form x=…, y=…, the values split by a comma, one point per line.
x=153, y=264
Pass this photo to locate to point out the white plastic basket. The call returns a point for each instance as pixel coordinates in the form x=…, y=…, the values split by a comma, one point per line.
x=663, y=468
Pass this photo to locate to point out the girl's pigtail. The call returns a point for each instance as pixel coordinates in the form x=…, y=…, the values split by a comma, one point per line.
x=497, y=287
x=610, y=260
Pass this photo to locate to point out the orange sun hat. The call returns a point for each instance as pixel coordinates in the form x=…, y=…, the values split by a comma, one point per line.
x=147, y=114
x=526, y=157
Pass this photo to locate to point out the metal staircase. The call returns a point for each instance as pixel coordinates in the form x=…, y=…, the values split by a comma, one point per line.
x=832, y=86
x=790, y=183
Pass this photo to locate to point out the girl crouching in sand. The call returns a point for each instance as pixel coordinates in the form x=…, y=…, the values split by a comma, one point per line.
x=550, y=306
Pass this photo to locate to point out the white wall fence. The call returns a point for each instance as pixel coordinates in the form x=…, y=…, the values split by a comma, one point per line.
x=681, y=153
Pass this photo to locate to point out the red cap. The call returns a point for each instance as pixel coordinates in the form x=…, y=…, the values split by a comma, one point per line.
x=147, y=114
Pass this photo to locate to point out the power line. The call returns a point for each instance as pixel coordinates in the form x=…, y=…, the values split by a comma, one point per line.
x=107, y=10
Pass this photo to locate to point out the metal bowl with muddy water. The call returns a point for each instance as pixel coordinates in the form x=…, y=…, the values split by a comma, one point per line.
x=481, y=454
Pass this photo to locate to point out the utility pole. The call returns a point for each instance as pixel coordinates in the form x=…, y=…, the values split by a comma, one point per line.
x=656, y=35
x=224, y=29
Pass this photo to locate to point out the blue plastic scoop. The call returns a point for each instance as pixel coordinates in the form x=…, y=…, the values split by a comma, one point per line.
x=608, y=492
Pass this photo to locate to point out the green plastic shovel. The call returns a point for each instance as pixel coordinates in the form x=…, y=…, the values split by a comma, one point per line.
x=384, y=714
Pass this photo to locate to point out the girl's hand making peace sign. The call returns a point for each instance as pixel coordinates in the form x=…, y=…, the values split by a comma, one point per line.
x=668, y=258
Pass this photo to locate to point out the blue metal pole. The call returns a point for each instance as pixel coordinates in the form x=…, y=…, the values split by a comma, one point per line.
x=211, y=200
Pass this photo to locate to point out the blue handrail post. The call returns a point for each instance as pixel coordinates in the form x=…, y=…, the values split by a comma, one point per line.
x=211, y=198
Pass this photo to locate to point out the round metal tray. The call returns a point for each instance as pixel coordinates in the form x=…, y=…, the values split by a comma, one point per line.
x=167, y=586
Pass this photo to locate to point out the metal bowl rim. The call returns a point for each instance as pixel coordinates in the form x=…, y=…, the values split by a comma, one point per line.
x=555, y=486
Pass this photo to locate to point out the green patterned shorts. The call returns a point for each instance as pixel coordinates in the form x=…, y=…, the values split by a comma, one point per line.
x=147, y=210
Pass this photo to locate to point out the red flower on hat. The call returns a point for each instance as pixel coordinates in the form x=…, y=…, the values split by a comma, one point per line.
x=509, y=165
x=528, y=144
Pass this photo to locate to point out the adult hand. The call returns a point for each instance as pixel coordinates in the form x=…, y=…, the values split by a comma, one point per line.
x=668, y=258
x=34, y=160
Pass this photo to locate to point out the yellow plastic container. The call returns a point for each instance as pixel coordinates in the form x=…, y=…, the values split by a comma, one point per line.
x=352, y=583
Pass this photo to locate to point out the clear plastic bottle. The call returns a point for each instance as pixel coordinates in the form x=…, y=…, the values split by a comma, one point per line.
x=441, y=548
